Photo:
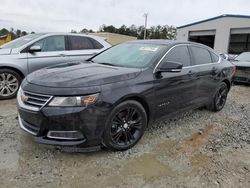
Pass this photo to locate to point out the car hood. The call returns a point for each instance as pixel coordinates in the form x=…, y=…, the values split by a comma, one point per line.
x=241, y=63
x=79, y=74
x=5, y=51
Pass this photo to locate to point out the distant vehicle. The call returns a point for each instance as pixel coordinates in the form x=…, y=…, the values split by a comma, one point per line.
x=5, y=38
x=35, y=51
x=110, y=99
x=242, y=63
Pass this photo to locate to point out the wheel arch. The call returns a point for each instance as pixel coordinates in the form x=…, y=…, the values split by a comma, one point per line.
x=226, y=81
x=14, y=69
x=139, y=99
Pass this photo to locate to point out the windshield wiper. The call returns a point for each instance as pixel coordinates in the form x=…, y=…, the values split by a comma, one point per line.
x=110, y=64
x=90, y=60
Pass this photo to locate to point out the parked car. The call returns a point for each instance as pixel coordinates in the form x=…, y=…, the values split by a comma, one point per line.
x=242, y=63
x=35, y=51
x=111, y=98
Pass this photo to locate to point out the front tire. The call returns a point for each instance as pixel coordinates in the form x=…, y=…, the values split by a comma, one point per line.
x=125, y=126
x=220, y=98
x=9, y=83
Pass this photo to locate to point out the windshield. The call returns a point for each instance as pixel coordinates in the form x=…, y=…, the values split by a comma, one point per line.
x=129, y=55
x=243, y=57
x=20, y=41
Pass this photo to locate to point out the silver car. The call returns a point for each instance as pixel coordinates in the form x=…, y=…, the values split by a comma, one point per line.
x=35, y=51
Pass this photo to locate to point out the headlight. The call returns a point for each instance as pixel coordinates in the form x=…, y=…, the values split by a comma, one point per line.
x=74, y=101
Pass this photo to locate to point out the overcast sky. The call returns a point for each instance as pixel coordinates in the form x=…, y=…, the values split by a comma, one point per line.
x=64, y=15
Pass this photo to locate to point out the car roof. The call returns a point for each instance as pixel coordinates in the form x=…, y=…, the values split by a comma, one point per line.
x=165, y=42
x=168, y=42
x=71, y=34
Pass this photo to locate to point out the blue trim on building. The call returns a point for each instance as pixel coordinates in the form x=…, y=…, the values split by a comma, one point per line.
x=214, y=18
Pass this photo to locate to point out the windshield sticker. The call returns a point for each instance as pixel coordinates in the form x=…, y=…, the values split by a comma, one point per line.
x=151, y=49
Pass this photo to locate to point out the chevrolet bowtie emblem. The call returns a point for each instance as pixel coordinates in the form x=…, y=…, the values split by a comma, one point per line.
x=24, y=98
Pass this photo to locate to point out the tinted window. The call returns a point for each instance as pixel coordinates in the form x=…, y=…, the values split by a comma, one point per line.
x=96, y=44
x=53, y=43
x=215, y=58
x=179, y=54
x=201, y=55
x=80, y=43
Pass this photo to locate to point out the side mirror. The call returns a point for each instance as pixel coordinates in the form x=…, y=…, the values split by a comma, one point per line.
x=35, y=49
x=225, y=56
x=169, y=66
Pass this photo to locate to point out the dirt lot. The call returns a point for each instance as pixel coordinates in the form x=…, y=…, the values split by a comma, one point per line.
x=195, y=149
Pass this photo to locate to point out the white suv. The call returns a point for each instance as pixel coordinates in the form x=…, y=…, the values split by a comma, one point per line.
x=35, y=51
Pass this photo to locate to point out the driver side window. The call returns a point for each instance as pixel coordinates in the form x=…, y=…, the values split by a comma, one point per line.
x=53, y=43
x=179, y=54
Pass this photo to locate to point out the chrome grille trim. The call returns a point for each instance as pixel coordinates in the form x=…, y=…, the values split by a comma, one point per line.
x=34, y=102
x=36, y=99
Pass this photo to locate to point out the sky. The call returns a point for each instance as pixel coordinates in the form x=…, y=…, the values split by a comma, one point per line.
x=65, y=15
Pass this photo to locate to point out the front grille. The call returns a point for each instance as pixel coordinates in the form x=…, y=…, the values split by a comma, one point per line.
x=36, y=100
x=240, y=79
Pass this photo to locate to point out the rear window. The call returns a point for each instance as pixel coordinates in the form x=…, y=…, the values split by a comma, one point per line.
x=80, y=43
x=201, y=56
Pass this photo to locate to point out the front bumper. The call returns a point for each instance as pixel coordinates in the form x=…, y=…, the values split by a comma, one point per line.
x=242, y=75
x=241, y=79
x=64, y=126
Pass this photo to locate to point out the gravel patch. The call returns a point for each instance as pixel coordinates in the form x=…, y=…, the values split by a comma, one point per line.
x=194, y=149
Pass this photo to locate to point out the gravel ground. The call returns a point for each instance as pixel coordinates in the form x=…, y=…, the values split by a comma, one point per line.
x=195, y=149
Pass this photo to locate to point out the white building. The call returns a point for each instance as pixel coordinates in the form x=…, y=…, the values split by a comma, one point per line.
x=225, y=33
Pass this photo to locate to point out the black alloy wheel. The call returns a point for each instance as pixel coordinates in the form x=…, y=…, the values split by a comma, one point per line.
x=220, y=98
x=125, y=126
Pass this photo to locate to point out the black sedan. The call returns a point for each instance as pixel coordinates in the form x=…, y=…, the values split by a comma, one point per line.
x=242, y=63
x=110, y=99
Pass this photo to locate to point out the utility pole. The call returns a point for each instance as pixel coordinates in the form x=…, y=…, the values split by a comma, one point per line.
x=146, y=21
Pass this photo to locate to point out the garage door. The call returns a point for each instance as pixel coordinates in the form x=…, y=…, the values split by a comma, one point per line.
x=240, y=31
x=239, y=40
x=202, y=33
x=205, y=37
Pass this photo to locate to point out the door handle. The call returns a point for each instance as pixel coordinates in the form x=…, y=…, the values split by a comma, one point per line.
x=62, y=55
x=190, y=73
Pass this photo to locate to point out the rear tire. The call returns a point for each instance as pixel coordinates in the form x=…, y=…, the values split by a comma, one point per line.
x=125, y=126
x=219, y=100
x=9, y=83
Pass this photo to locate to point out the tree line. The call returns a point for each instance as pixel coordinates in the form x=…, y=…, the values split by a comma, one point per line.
x=154, y=32
x=14, y=33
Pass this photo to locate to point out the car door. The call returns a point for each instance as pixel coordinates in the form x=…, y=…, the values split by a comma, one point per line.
x=52, y=52
x=176, y=91
x=81, y=47
x=207, y=65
